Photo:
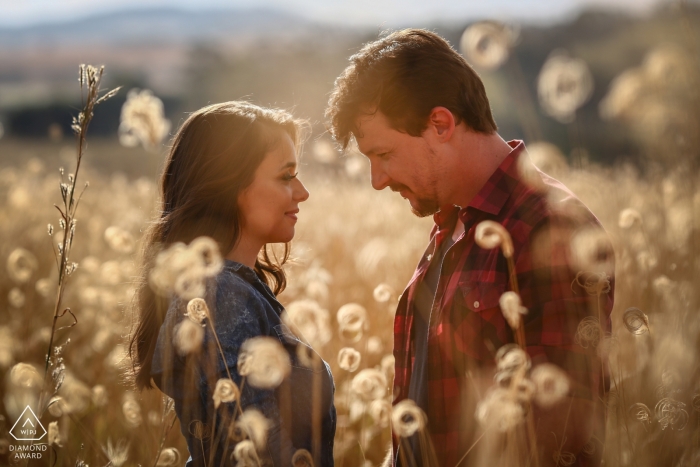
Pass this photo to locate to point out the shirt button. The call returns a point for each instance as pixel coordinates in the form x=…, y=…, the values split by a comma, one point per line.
x=476, y=304
x=429, y=257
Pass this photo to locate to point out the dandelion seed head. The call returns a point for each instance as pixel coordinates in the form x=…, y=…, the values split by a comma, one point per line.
x=254, y=424
x=110, y=273
x=168, y=457
x=310, y=320
x=24, y=375
x=563, y=85
x=375, y=345
x=324, y=152
x=244, y=454
x=190, y=284
x=352, y=321
x=551, y=384
x=188, y=337
x=635, y=321
x=696, y=402
x=491, y=234
x=99, y=396
x=487, y=44
x=641, y=413
x=355, y=166
x=383, y=293
x=510, y=359
x=225, y=391
x=21, y=265
x=264, y=362
x=501, y=409
x=117, y=454
x=407, y=418
x=58, y=407
x=629, y=218
x=142, y=120
x=182, y=269
x=119, y=240
x=593, y=283
x=132, y=411
x=671, y=413
x=512, y=308
x=198, y=429
x=388, y=365
x=624, y=92
x=197, y=310
x=380, y=411
x=588, y=332
x=43, y=287
x=369, y=384
x=592, y=251
x=563, y=458
x=206, y=250
x=302, y=458
x=16, y=297
x=90, y=264
x=646, y=260
x=349, y=359
x=54, y=437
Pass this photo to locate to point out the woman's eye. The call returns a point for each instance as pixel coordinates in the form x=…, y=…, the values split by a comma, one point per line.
x=288, y=177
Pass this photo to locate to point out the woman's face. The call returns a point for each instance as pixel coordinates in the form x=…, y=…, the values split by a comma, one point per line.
x=269, y=206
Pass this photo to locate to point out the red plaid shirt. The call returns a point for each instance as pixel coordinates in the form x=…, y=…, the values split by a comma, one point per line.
x=466, y=324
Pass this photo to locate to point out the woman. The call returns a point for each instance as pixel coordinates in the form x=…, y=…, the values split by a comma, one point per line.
x=230, y=176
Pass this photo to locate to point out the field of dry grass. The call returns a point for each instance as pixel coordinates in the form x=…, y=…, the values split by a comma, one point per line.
x=353, y=246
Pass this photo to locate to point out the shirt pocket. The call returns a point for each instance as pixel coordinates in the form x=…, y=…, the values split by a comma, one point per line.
x=481, y=296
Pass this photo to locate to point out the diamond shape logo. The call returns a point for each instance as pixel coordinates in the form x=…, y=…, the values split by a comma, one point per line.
x=28, y=427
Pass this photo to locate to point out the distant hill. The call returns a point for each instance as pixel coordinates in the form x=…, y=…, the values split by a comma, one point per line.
x=158, y=26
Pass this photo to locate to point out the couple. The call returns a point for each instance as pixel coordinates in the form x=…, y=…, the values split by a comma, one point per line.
x=420, y=114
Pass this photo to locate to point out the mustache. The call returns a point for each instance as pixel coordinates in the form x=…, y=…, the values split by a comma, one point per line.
x=398, y=187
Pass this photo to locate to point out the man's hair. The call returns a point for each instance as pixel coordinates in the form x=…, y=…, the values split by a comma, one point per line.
x=405, y=75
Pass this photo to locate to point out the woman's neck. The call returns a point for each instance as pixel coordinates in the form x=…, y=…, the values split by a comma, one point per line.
x=245, y=252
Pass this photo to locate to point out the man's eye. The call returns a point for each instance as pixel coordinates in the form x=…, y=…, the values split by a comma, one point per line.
x=382, y=155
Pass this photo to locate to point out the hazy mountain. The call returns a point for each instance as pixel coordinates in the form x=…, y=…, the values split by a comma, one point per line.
x=171, y=26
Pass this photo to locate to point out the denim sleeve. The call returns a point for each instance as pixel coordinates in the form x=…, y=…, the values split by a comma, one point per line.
x=240, y=313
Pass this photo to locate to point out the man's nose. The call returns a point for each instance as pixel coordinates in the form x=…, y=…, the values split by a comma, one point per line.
x=379, y=177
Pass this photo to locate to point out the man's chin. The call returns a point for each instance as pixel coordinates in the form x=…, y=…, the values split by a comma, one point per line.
x=424, y=208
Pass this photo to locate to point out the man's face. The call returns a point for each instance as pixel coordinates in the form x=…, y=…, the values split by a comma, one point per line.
x=406, y=164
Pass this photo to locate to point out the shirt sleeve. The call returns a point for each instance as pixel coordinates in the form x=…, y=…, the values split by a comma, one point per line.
x=558, y=303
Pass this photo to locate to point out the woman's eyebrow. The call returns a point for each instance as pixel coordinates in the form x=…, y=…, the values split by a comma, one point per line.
x=288, y=165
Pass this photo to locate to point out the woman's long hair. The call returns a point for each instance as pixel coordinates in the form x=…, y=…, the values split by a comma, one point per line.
x=213, y=158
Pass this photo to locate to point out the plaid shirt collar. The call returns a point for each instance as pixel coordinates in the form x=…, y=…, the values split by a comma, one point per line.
x=490, y=199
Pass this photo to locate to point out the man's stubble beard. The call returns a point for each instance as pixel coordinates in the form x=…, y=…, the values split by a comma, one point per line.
x=426, y=207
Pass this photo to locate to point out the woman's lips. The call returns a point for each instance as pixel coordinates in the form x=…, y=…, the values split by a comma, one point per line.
x=292, y=214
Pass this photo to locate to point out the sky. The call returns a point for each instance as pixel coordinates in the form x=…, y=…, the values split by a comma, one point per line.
x=368, y=13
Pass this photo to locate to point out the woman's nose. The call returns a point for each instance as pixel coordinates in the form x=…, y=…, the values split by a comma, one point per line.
x=300, y=192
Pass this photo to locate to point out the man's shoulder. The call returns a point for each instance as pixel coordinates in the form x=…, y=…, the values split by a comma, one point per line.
x=548, y=202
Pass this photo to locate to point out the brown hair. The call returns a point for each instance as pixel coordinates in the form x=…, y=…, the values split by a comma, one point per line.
x=405, y=75
x=213, y=158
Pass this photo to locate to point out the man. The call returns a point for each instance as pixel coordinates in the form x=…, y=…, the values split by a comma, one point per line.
x=420, y=114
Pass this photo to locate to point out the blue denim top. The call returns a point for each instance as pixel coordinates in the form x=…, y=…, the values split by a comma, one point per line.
x=241, y=307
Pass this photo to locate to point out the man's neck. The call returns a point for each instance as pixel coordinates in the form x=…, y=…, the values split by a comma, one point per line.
x=478, y=157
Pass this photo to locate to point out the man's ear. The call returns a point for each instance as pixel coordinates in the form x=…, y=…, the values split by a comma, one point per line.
x=442, y=123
